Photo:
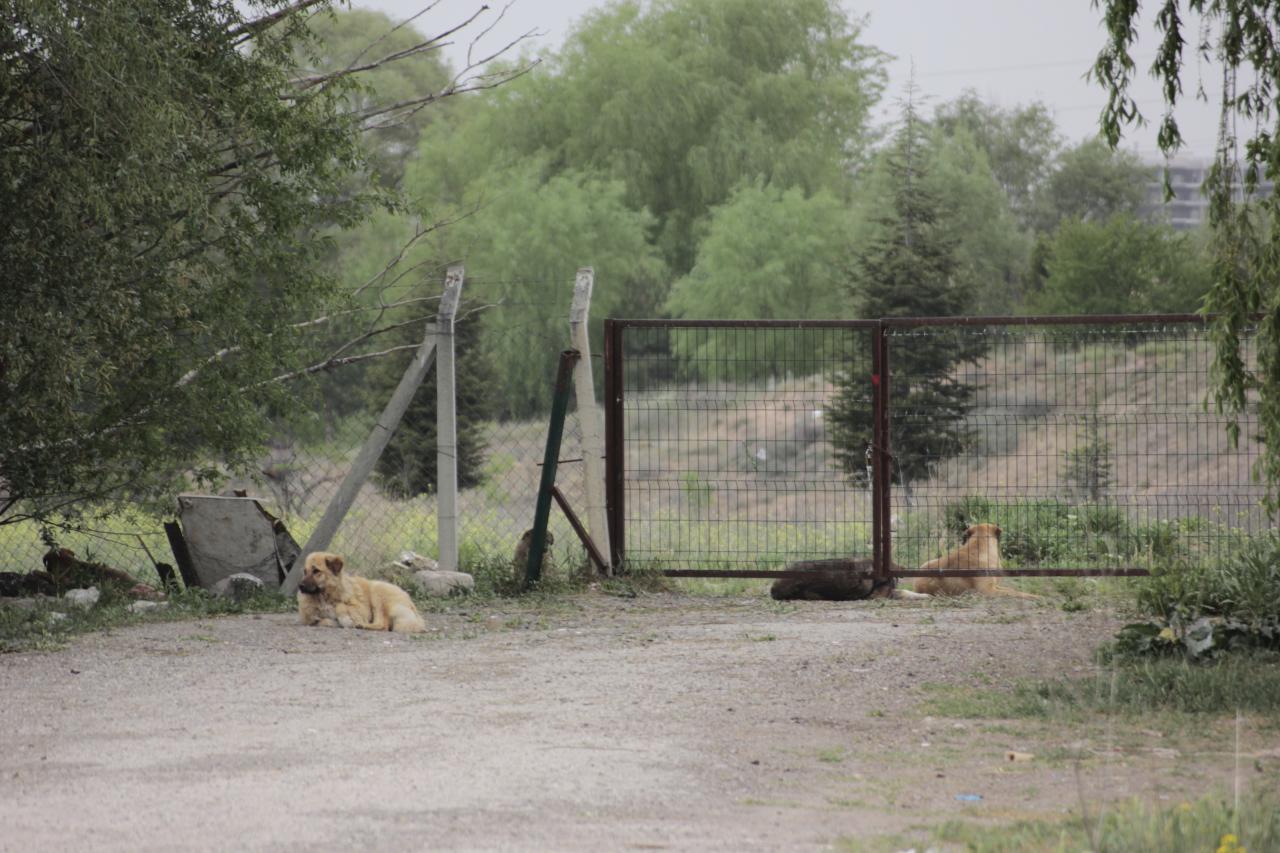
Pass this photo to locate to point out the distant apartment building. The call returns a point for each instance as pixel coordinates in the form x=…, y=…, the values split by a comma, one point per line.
x=1188, y=208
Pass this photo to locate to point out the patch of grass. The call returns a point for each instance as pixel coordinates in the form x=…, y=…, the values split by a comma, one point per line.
x=877, y=843
x=833, y=755
x=635, y=578
x=981, y=703
x=1244, y=584
x=51, y=623
x=722, y=587
x=1245, y=682
x=1205, y=825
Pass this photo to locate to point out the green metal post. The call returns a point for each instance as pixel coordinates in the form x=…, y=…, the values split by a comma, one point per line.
x=555, y=432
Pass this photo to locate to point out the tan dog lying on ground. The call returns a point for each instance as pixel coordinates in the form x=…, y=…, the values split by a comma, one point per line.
x=979, y=549
x=329, y=596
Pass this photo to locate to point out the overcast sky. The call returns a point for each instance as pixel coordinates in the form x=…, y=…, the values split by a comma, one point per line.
x=1009, y=51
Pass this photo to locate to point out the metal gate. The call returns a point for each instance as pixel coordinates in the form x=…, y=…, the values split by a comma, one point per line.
x=740, y=448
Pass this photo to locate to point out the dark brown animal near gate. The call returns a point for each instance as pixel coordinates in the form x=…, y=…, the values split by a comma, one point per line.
x=851, y=582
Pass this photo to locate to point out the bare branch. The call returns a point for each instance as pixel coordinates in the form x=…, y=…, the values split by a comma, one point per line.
x=330, y=364
x=249, y=29
x=486, y=31
x=359, y=339
x=433, y=43
x=460, y=86
x=406, y=22
x=418, y=234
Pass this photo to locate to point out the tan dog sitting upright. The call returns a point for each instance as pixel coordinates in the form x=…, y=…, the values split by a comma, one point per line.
x=329, y=596
x=979, y=549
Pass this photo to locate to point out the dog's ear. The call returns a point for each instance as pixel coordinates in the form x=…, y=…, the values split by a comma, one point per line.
x=999, y=532
x=334, y=563
x=964, y=537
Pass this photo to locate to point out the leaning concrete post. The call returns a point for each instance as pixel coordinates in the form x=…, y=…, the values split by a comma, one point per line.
x=588, y=413
x=369, y=453
x=447, y=426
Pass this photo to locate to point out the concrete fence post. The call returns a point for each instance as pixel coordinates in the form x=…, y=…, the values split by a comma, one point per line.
x=589, y=418
x=373, y=446
x=447, y=425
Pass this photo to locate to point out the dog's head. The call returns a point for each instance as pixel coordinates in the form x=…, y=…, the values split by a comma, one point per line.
x=527, y=538
x=319, y=572
x=981, y=531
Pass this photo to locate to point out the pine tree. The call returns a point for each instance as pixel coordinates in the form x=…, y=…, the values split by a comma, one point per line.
x=1087, y=467
x=407, y=467
x=908, y=272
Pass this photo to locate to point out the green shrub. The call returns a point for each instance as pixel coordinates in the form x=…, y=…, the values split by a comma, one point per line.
x=1202, y=610
x=969, y=510
x=1053, y=532
x=1244, y=583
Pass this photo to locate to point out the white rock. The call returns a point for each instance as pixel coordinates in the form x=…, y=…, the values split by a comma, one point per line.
x=143, y=606
x=418, y=563
x=238, y=586
x=441, y=584
x=83, y=598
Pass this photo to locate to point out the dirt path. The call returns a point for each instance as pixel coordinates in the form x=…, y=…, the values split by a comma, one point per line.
x=603, y=723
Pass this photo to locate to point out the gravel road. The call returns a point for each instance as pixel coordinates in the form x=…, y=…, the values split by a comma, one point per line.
x=596, y=723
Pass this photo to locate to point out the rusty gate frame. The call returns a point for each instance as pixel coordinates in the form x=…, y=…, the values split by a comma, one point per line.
x=881, y=478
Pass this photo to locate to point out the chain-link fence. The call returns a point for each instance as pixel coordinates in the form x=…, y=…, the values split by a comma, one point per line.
x=303, y=464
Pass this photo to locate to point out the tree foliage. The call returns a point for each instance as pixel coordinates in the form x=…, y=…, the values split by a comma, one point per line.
x=615, y=152
x=977, y=215
x=1241, y=38
x=407, y=467
x=1121, y=265
x=767, y=253
x=346, y=38
x=1019, y=143
x=168, y=176
x=522, y=250
x=681, y=101
x=1091, y=181
x=909, y=271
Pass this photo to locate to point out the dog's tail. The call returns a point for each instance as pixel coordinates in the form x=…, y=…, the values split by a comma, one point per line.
x=405, y=619
x=906, y=593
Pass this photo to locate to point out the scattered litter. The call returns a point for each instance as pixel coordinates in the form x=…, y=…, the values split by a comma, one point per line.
x=1011, y=755
x=968, y=798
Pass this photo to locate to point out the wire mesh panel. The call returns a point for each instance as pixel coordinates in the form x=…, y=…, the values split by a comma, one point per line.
x=727, y=462
x=1090, y=444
